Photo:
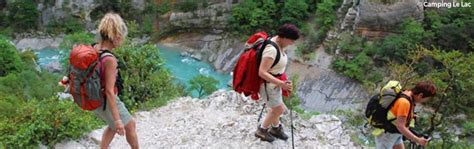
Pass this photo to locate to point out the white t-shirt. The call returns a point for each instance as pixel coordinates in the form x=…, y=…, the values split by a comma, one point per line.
x=271, y=52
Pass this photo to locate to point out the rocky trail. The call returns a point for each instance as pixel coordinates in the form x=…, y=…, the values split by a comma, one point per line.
x=224, y=120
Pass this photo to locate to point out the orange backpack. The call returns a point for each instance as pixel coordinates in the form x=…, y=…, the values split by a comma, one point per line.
x=84, y=77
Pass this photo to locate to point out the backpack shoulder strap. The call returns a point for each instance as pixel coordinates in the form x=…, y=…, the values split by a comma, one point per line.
x=105, y=53
x=277, y=58
x=396, y=97
x=412, y=105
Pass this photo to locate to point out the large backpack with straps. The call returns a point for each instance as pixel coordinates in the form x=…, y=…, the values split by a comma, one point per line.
x=245, y=75
x=85, y=77
x=380, y=104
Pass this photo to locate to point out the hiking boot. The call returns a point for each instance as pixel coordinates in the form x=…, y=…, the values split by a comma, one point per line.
x=278, y=132
x=264, y=135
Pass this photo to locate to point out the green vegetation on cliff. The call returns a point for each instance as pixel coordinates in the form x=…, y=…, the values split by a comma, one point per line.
x=203, y=85
x=148, y=83
x=438, y=49
x=250, y=16
x=32, y=113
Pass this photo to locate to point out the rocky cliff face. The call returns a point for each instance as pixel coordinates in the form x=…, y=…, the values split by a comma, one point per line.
x=321, y=89
x=207, y=19
x=376, y=19
x=61, y=9
x=57, y=10
x=220, y=50
x=224, y=120
x=203, y=33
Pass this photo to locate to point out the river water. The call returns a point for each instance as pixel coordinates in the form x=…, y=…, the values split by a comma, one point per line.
x=183, y=68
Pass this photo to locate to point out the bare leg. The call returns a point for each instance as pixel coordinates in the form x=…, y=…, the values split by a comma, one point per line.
x=399, y=146
x=278, y=112
x=273, y=116
x=268, y=119
x=131, y=134
x=107, y=137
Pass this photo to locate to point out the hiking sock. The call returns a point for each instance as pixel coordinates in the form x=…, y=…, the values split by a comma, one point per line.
x=276, y=126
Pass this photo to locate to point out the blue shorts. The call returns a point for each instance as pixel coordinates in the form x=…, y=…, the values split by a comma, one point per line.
x=388, y=140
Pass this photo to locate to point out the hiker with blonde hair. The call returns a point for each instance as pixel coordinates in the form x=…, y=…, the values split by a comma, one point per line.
x=112, y=31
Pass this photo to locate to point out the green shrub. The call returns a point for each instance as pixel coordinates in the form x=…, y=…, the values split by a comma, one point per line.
x=397, y=46
x=29, y=115
x=25, y=124
x=308, y=115
x=469, y=127
x=10, y=61
x=29, y=84
x=161, y=8
x=187, y=5
x=351, y=44
x=250, y=16
x=67, y=25
x=355, y=68
x=6, y=31
x=133, y=28
x=451, y=28
x=19, y=78
x=29, y=58
x=447, y=141
x=294, y=101
x=4, y=37
x=22, y=15
x=147, y=25
x=309, y=45
x=138, y=30
x=325, y=17
x=295, y=12
x=146, y=79
x=203, y=85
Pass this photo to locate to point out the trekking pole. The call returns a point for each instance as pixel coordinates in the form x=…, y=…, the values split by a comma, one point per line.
x=264, y=104
x=260, y=115
x=291, y=127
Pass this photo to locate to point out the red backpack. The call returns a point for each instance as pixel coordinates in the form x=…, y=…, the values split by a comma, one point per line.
x=84, y=77
x=245, y=75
